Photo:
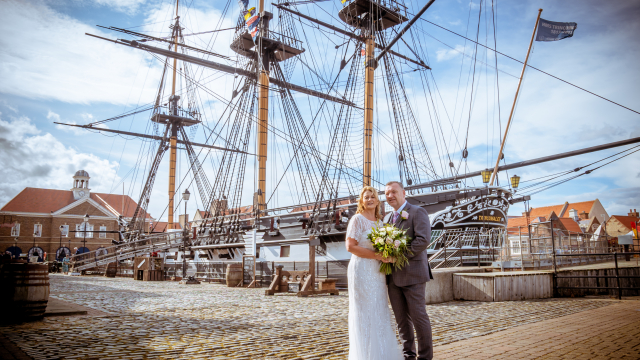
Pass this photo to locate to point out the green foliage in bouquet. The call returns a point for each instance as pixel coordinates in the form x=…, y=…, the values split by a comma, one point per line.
x=389, y=241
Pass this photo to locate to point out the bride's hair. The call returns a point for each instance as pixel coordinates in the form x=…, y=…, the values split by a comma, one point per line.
x=361, y=207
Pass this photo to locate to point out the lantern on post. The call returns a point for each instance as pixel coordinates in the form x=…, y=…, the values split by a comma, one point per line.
x=515, y=181
x=486, y=176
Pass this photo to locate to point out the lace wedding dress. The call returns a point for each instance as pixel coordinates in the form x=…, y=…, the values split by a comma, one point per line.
x=371, y=333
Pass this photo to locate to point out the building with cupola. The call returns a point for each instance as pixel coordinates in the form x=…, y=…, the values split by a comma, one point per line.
x=56, y=222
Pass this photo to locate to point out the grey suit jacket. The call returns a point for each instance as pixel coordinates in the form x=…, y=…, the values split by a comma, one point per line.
x=418, y=230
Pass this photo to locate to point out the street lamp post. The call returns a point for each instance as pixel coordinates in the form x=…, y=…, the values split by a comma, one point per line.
x=85, y=223
x=61, y=228
x=185, y=197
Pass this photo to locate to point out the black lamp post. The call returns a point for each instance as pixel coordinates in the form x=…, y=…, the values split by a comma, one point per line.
x=61, y=228
x=85, y=223
x=185, y=197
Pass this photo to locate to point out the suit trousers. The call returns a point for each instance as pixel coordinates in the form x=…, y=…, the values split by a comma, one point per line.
x=408, y=303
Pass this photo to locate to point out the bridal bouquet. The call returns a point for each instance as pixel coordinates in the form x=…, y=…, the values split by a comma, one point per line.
x=388, y=241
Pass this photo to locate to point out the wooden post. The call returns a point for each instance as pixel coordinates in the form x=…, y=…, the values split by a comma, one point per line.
x=506, y=131
x=368, y=108
x=521, y=249
x=312, y=265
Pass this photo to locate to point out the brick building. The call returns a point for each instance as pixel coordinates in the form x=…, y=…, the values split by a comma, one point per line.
x=52, y=221
x=587, y=216
x=621, y=225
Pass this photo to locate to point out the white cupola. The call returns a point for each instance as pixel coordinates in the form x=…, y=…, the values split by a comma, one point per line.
x=80, y=185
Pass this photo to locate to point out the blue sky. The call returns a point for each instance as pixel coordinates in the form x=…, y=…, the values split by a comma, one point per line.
x=51, y=72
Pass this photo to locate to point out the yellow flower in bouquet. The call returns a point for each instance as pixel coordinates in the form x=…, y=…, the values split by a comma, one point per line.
x=389, y=241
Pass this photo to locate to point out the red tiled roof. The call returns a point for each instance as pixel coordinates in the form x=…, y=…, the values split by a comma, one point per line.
x=116, y=202
x=161, y=226
x=579, y=206
x=35, y=200
x=625, y=220
x=571, y=225
x=517, y=225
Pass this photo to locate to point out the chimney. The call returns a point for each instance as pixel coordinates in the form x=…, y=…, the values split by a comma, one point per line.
x=633, y=213
x=573, y=213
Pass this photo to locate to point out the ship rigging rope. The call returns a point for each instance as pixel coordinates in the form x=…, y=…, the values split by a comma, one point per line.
x=250, y=116
x=542, y=71
x=272, y=128
x=534, y=189
x=475, y=57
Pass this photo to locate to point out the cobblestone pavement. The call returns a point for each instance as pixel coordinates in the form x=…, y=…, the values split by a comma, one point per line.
x=605, y=333
x=166, y=320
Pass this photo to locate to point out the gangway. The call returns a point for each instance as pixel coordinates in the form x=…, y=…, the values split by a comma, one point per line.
x=464, y=247
x=128, y=250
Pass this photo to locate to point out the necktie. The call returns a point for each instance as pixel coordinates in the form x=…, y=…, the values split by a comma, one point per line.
x=395, y=216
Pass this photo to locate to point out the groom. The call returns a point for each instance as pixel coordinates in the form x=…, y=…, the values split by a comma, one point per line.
x=407, y=286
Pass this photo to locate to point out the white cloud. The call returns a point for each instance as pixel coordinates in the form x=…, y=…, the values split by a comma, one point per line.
x=126, y=6
x=448, y=54
x=6, y=104
x=86, y=117
x=46, y=55
x=30, y=158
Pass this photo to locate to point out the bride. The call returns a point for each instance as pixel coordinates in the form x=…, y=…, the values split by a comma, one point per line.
x=371, y=333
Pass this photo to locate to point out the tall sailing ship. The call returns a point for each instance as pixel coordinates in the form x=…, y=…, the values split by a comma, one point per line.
x=305, y=126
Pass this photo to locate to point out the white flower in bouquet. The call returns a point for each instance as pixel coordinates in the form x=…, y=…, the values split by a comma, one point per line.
x=390, y=241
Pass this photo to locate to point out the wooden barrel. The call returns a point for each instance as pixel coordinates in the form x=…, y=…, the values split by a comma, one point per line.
x=25, y=291
x=234, y=274
x=112, y=270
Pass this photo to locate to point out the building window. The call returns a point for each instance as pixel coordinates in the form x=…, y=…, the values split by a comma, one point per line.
x=64, y=230
x=284, y=251
x=37, y=230
x=84, y=228
x=15, y=230
x=103, y=235
x=515, y=247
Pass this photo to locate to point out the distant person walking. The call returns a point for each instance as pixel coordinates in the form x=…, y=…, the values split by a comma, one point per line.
x=65, y=265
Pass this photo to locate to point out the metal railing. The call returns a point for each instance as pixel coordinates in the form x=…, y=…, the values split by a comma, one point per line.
x=127, y=250
x=617, y=275
x=465, y=247
x=533, y=246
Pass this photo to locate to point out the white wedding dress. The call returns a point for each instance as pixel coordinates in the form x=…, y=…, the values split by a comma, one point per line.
x=371, y=333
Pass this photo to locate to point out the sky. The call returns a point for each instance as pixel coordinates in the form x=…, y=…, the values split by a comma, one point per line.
x=52, y=72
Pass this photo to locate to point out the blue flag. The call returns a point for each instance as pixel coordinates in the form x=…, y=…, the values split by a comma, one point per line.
x=554, y=31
